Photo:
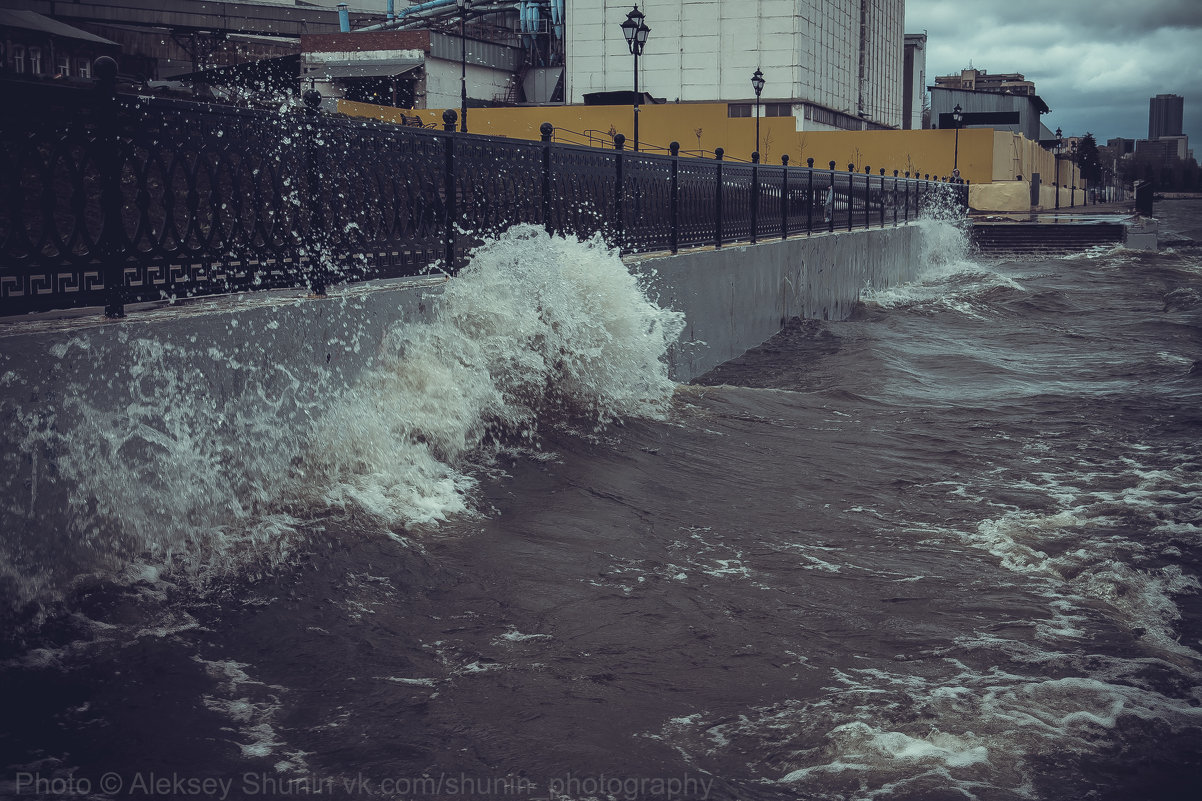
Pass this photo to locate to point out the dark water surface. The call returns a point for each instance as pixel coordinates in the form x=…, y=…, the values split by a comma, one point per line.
x=947, y=549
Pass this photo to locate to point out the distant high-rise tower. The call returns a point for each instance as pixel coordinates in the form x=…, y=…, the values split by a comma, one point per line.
x=1164, y=116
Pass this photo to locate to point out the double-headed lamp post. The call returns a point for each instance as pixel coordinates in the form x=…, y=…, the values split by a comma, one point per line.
x=757, y=83
x=464, y=5
x=1059, y=146
x=635, y=31
x=1072, y=172
x=957, y=118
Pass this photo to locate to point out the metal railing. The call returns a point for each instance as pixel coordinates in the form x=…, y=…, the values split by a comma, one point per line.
x=109, y=199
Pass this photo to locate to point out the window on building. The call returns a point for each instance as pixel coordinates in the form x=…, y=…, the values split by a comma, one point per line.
x=35, y=61
x=83, y=68
x=766, y=110
x=18, y=59
x=821, y=116
x=62, y=67
x=834, y=119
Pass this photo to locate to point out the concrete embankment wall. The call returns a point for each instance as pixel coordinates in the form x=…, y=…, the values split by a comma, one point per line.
x=292, y=345
x=737, y=297
x=734, y=298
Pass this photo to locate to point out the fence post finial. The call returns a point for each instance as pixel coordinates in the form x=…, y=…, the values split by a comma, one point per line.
x=109, y=164
x=546, y=130
x=674, y=194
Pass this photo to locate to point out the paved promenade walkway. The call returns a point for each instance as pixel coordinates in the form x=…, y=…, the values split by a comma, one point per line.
x=1076, y=213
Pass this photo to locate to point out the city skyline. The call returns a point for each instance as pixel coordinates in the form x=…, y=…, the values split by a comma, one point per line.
x=1096, y=63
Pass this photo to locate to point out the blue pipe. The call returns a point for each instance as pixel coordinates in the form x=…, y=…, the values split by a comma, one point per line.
x=344, y=18
x=391, y=10
x=404, y=12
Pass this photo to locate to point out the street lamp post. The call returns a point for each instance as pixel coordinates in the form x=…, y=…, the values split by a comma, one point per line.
x=957, y=118
x=635, y=31
x=1056, y=158
x=757, y=83
x=464, y=5
x=1072, y=181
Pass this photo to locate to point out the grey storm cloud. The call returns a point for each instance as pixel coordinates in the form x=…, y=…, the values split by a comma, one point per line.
x=1120, y=18
x=1094, y=62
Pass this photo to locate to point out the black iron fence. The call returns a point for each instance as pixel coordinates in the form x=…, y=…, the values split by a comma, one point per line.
x=110, y=199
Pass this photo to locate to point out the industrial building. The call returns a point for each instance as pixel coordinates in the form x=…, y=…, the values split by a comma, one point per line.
x=914, y=82
x=974, y=80
x=1004, y=102
x=35, y=47
x=831, y=64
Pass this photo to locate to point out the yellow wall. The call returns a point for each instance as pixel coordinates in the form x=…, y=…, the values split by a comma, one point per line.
x=1001, y=196
x=925, y=152
x=984, y=155
x=659, y=125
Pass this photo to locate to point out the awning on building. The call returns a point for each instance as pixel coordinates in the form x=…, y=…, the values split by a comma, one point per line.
x=33, y=21
x=619, y=98
x=367, y=68
x=281, y=73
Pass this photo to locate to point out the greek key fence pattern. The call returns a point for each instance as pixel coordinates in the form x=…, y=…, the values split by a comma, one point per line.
x=109, y=199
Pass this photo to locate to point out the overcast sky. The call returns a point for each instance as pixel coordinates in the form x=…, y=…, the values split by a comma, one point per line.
x=1094, y=62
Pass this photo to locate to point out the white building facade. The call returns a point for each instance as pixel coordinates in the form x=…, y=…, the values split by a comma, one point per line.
x=838, y=63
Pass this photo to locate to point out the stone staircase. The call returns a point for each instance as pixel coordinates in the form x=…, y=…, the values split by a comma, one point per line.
x=1044, y=238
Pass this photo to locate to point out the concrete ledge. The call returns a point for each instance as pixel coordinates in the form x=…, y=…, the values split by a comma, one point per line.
x=318, y=340
x=737, y=297
x=1142, y=234
x=734, y=298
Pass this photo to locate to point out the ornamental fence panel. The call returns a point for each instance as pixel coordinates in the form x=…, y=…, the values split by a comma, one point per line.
x=109, y=199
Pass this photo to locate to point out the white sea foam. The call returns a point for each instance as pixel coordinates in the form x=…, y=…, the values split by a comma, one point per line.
x=251, y=718
x=202, y=460
x=948, y=277
x=513, y=635
x=534, y=325
x=947, y=729
x=1083, y=553
x=423, y=682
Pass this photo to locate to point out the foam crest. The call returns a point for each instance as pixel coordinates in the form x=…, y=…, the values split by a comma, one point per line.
x=1083, y=552
x=207, y=455
x=535, y=328
x=950, y=729
x=947, y=276
x=156, y=463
